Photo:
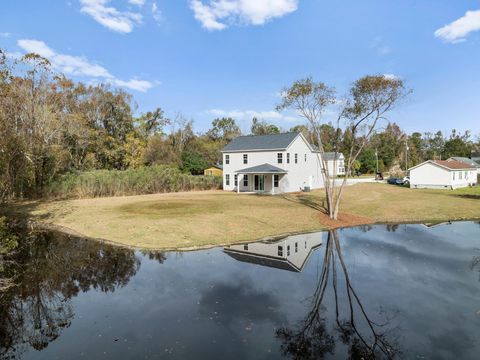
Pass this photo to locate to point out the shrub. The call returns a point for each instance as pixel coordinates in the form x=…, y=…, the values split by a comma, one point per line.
x=143, y=180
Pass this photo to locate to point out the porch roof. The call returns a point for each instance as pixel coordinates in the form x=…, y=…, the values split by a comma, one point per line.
x=262, y=169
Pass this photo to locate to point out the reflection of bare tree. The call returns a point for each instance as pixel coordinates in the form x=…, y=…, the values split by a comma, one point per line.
x=47, y=273
x=475, y=264
x=356, y=330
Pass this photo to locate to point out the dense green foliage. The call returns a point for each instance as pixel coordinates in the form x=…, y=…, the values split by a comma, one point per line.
x=143, y=180
x=391, y=144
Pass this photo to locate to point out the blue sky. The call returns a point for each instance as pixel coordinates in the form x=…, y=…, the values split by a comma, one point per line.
x=208, y=58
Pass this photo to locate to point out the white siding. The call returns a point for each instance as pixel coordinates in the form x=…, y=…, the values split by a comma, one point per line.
x=300, y=174
x=429, y=175
x=340, y=166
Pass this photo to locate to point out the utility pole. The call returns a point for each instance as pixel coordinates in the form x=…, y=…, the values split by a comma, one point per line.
x=406, y=156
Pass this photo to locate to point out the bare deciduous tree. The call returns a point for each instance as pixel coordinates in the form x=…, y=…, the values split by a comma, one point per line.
x=370, y=99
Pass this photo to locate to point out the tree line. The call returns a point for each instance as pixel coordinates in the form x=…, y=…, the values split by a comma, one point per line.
x=51, y=126
x=397, y=148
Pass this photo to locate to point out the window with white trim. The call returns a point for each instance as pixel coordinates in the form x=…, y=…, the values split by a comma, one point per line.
x=279, y=158
x=288, y=250
x=280, y=250
x=227, y=159
x=288, y=158
x=296, y=158
x=245, y=180
x=275, y=180
x=305, y=157
x=245, y=158
x=236, y=179
x=459, y=175
x=227, y=179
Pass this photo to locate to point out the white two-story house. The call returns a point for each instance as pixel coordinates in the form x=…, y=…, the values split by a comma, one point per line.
x=335, y=163
x=273, y=164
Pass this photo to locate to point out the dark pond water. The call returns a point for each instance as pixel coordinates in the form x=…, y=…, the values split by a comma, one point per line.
x=398, y=291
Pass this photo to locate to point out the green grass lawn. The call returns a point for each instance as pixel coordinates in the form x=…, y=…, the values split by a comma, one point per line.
x=199, y=219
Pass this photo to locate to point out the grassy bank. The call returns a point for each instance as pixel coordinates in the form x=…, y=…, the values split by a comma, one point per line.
x=144, y=180
x=187, y=220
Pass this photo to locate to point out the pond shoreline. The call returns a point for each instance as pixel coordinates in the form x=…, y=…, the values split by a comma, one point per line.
x=75, y=234
x=201, y=220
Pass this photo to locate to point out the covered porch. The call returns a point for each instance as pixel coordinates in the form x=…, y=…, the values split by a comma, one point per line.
x=263, y=178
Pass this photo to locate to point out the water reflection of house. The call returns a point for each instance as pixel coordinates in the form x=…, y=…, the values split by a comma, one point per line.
x=290, y=253
x=435, y=224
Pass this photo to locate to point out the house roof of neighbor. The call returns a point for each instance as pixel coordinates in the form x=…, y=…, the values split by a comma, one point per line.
x=216, y=166
x=261, y=142
x=454, y=164
x=262, y=169
x=466, y=161
x=331, y=156
x=475, y=156
x=447, y=164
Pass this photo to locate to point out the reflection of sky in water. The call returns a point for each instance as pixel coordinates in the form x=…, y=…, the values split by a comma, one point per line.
x=207, y=305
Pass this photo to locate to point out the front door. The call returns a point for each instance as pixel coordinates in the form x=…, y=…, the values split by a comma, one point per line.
x=259, y=183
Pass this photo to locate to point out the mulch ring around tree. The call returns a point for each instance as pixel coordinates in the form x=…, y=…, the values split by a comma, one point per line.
x=344, y=220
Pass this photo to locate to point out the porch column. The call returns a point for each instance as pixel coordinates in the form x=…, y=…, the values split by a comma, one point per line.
x=273, y=184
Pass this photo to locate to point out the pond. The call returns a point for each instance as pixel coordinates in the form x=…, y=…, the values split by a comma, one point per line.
x=383, y=291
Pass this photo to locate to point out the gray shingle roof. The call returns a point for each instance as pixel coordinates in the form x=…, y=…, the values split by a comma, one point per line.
x=260, y=142
x=262, y=169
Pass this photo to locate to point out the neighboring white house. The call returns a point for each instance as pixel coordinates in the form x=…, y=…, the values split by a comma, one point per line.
x=276, y=163
x=335, y=160
x=442, y=174
x=290, y=253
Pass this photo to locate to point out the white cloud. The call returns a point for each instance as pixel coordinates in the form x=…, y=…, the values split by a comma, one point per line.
x=458, y=30
x=37, y=47
x=249, y=114
x=110, y=17
x=80, y=66
x=134, y=84
x=137, y=2
x=391, y=76
x=219, y=14
x=156, y=13
x=4, y=34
